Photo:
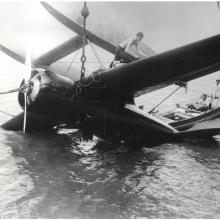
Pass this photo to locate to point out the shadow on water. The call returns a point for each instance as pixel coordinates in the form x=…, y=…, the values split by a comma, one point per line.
x=50, y=176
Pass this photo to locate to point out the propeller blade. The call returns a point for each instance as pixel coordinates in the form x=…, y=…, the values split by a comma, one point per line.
x=27, y=67
x=25, y=112
x=27, y=76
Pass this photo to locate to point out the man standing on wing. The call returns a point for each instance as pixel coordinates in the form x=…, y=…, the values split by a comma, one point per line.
x=124, y=53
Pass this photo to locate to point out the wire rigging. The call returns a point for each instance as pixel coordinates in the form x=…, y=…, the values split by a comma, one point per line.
x=6, y=113
x=96, y=54
x=71, y=63
x=10, y=91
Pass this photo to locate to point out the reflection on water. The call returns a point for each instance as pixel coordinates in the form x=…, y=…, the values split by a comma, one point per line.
x=46, y=176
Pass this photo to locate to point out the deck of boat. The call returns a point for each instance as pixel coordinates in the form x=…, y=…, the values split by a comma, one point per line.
x=183, y=121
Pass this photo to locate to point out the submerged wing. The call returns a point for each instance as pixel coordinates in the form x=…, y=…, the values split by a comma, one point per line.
x=182, y=64
x=34, y=122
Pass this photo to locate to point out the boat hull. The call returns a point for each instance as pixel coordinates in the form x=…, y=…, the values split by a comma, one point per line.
x=188, y=123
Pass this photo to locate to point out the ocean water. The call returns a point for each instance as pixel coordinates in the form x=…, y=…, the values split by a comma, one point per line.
x=47, y=176
x=59, y=176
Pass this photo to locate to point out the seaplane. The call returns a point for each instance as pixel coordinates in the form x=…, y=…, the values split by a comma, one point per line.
x=102, y=103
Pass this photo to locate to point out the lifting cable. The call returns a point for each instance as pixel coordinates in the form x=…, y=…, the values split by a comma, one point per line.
x=85, y=14
x=95, y=76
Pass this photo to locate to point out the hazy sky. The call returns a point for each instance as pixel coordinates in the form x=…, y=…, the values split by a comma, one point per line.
x=166, y=25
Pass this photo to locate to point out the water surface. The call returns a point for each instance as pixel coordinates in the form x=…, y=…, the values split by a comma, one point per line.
x=47, y=176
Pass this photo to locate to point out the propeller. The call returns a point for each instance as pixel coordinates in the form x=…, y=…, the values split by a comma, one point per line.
x=26, y=76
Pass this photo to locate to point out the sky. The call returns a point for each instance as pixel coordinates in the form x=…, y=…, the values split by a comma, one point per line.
x=166, y=25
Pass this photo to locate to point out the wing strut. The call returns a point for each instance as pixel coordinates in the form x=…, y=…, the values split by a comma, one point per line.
x=152, y=110
x=27, y=76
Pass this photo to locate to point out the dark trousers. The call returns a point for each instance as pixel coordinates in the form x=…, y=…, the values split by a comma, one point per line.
x=122, y=56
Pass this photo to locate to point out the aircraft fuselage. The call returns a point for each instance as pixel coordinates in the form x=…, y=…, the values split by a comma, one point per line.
x=91, y=110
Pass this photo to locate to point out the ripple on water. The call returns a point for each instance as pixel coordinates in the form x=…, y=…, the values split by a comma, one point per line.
x=46, y=176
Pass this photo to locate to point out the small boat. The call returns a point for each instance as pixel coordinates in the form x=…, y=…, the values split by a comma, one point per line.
x=187, y=118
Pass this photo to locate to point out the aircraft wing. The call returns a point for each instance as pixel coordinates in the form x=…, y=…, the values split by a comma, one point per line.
x=182, y=64
x=34, y=122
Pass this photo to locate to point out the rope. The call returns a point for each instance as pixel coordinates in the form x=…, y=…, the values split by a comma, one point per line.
x=12, y=91
x=7, y=113
x=9, y=91
x=95, y=77
x=77, y=90
x=69, y=67
x=96, y=54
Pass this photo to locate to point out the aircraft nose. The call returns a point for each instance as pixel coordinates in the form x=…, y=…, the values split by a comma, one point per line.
x=32, y=89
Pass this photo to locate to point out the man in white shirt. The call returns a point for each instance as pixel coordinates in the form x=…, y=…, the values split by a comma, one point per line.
x=203, y=104
x=215, y=96
x=124, y=53
x=184, y=112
